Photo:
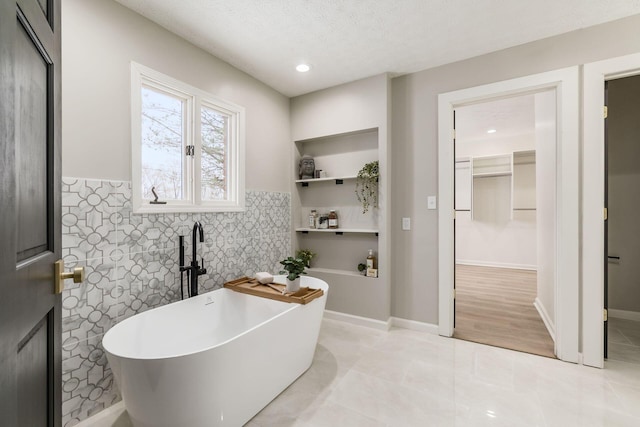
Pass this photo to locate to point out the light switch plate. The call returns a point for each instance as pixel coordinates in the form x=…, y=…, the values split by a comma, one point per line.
x=406, y=223
x=431, y=202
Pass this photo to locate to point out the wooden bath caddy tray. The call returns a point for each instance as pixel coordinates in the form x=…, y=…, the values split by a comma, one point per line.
x=248, y=285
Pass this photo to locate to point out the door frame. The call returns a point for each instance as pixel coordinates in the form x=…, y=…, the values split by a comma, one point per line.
x=566, y=83
x=595, y=74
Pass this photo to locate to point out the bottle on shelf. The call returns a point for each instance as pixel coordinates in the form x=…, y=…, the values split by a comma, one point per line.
x=371, y=260
x=333, y=219
x=313, y=219
x=372, y=265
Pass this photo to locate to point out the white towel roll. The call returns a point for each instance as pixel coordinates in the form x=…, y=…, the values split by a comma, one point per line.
x=264, y=277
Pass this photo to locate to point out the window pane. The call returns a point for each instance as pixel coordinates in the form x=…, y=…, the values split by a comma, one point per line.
x=215, y=133
x=162, y=145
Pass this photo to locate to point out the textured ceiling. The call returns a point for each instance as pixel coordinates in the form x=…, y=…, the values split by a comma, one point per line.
x=345, y=40
x=508, y=116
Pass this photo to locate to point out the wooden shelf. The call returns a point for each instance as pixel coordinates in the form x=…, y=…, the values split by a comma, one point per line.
x=337, y=230
x=333, y=178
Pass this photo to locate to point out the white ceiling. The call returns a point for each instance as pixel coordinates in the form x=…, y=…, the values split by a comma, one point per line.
x=345, y=40
x=509, y=117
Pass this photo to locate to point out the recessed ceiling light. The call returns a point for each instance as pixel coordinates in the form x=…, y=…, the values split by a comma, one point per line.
x=303, y=68
x=491, y=131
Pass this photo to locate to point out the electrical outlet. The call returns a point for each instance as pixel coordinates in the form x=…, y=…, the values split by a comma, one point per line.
x=406, y=223
x=431, y=202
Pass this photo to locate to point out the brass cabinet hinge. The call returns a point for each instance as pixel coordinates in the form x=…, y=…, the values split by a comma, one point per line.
x=605, y=214
x=605, y=314
x=454, y=214
x=454, y=134
x=605, y=112
x=454, y=294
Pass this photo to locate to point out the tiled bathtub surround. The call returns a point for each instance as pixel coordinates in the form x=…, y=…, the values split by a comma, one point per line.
x=131, y=265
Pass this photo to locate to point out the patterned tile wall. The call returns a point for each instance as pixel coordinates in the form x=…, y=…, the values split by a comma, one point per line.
x=131, y=265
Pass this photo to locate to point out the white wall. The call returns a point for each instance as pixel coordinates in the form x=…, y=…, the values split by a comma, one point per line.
x=624, y=203
x=100, y=38
x=545, y=114
x=492, y=238
x=415, y=140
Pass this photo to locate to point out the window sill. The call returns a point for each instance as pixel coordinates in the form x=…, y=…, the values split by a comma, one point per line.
x=159, y=209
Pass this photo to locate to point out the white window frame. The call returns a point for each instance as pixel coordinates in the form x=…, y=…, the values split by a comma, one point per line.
x=194, y=98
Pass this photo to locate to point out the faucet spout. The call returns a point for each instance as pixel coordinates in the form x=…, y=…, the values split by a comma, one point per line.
x=196, y=270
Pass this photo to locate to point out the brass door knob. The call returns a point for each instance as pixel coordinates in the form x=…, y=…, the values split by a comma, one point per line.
x=60, y=275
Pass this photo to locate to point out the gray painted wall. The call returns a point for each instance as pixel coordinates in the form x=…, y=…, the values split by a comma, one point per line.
x=624, y=193
x=100, y=39
x=414, y=254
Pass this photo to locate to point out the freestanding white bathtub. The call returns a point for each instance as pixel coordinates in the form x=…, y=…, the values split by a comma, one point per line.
x=213, y=360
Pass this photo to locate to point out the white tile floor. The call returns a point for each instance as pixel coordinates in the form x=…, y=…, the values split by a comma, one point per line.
x=365, y=377
x=624, y=340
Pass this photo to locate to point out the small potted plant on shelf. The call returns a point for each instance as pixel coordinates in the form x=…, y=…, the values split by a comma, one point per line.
x=362, y=268
x=306, y=255
x=293, y=268
x=367, y=186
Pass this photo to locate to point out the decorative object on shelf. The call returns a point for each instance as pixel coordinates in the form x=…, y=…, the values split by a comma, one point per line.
x=362, y=268
x=156, y=201
x=367, y=186
x=318, y=173
x=293, y=268
x=306, y=167
x=323, y=221
x=372, y=272
x=306, y=255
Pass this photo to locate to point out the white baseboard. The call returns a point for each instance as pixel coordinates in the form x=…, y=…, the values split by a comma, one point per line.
x=358, y=320
x=414, y=325
x=624, y=314
x=497, y=264
x=382, y=325
x=545, y=318
x=108, y=416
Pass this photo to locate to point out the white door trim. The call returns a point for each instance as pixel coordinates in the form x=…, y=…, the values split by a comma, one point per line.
x=595, y=74
x=566, y=84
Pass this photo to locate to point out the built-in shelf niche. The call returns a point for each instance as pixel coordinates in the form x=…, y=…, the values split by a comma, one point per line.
x=338, y=251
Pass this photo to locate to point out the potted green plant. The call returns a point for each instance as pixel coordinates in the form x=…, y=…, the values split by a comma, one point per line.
x=306, y=255
x=367, y=185
x=362, y=267
x=293, y=268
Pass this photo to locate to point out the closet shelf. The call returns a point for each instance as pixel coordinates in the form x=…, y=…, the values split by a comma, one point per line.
x=491, y=174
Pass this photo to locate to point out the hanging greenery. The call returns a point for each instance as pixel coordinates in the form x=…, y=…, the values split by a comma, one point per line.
x=367, y=186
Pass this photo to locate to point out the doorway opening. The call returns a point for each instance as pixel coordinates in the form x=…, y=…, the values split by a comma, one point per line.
x=565, y=84
x=622, y=250
x=505, y=208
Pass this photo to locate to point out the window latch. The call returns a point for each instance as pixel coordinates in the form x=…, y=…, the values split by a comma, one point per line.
x=191, y=150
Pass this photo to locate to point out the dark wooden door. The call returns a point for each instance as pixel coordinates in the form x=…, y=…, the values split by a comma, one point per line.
x=30, y=311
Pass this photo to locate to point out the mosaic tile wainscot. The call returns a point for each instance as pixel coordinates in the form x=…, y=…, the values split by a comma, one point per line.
x=131, y=265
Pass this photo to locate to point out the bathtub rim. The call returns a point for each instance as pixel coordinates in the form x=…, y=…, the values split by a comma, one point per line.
x=293, y=306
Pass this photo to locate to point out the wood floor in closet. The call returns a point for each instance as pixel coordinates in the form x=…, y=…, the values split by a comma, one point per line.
x=494, y=306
